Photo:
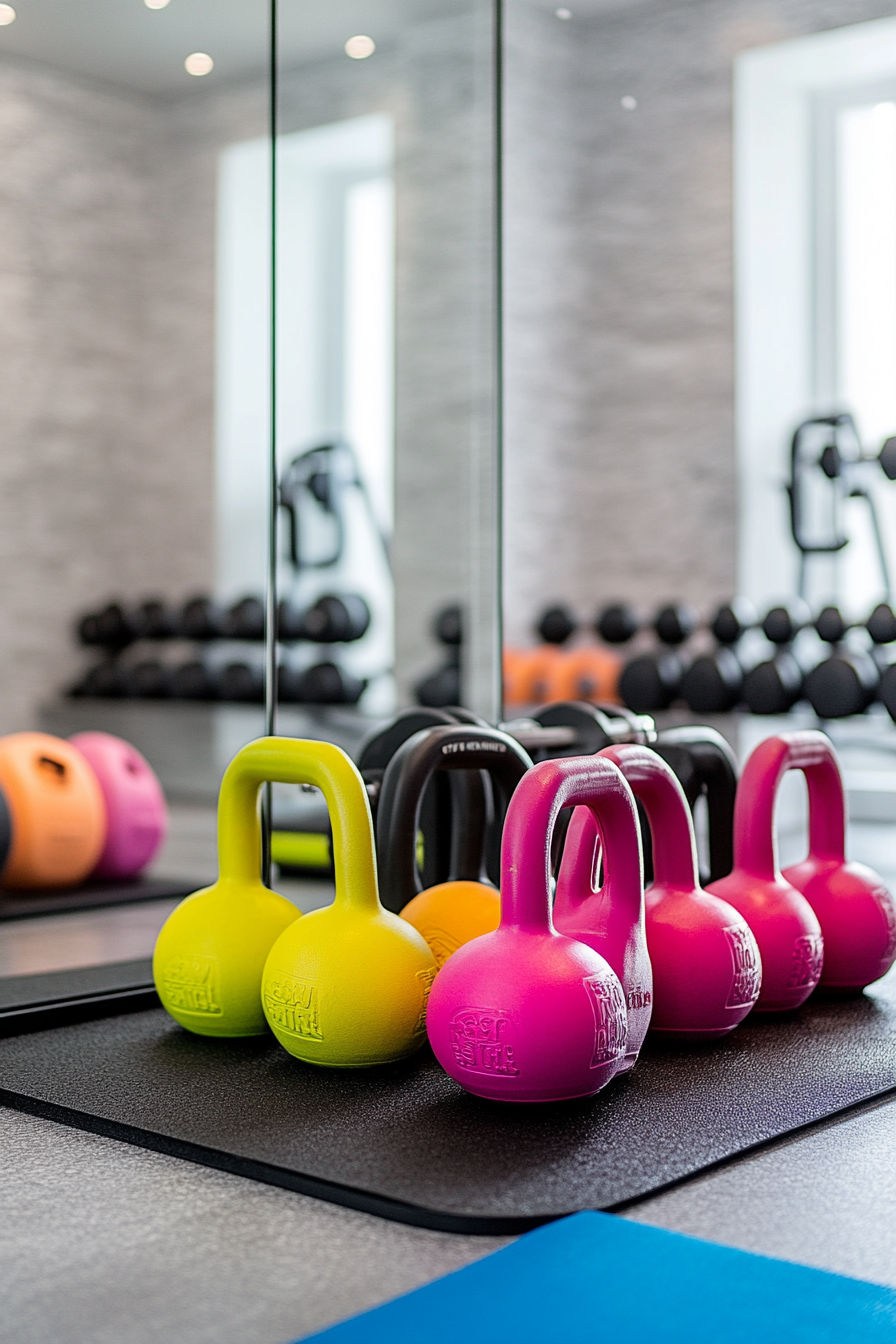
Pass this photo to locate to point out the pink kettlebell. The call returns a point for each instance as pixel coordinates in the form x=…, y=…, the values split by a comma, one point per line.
x=706, y=965
x=611, y=920
x=856, y=912
x=135, y=804
x=785, y=925
x=526, y=1013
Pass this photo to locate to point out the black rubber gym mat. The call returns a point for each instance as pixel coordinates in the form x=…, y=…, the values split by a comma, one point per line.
x=55, y=998
x=407, y=1143
x=91, y=896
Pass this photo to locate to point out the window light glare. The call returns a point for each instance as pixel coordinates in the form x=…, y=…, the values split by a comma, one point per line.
x=360, y=47
x=157, y=4
x=199, y=63
x=7, y=15
x=628, y=102
x=563, y=13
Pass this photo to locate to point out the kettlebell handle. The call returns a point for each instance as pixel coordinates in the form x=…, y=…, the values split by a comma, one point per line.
x=289, y=760
x=755, y=842
x=671, y=828
x=593, y=782
x=454, y=747
x=706, y=767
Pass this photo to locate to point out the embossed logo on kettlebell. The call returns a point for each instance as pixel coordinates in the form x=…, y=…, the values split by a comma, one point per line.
x=885, y=904
x=425, y=978
x=482, y=1041
x=292, y=1005
x=441, y=944
x=610, y=1018
x=746, y=981
x=808, y=954
x=191, y=984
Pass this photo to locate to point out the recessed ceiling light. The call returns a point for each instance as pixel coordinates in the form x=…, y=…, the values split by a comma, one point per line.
x=563, y=13
x=7, y=15
x=199, y=63
x=157, y=4
x=360, y=47
x=628, y=102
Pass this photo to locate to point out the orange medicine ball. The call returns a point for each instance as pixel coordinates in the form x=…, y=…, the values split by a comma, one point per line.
x=57, y=810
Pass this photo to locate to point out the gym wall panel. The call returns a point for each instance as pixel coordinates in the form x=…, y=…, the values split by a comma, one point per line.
x=620, y=470
x=105, y=454
x=107, y=270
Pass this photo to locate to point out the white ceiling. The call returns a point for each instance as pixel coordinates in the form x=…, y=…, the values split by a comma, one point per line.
x=123, y=42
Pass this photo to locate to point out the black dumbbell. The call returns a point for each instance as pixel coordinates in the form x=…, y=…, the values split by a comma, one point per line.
x=107, y=629
x=774, y=685
x=714, y=681
x=245, y=619
x=556, y=625
x=192, y=681
x=443, y=687
x=200, y=618
x=321, y=684
x=846, y=682
x=153, y=619
x=332, y=619
x=617, y=623
x=103, y=681
x=241, y=682
x=146, y=680
x=651, y=681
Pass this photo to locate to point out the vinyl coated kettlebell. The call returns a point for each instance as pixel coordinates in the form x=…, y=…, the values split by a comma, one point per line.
x=347, y=986
x=611, y=920
x=136, y=812
x=706, y=965
x=784, y=924
x=467, y=905
x=211, y=950
x=56, y=809
x=856, y=912
x=526, y=1013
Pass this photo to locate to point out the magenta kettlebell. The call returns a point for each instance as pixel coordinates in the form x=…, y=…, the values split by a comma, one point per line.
x=136, y=812
x=856, y=912
x=526, y=1013
x=706, y=964
x=612, y=920
x=784, y=923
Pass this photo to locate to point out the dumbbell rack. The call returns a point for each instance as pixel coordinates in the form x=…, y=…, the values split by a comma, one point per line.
x=407, y=1143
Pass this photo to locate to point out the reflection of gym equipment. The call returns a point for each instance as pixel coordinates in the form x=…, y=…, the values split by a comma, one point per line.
x=651, y=681
x=90, y=807
x=443, y=687
x=827, y=449
x=552, y=671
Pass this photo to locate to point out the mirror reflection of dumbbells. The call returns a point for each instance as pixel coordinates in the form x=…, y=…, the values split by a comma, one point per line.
x=566, y=665
x=229, y=665
x=741, y=669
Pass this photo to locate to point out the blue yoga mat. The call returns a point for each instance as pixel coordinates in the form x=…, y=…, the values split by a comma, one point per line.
x=595, y=1277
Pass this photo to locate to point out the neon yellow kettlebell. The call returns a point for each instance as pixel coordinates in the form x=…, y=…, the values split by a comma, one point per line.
x=347, y=986
x=211, y=950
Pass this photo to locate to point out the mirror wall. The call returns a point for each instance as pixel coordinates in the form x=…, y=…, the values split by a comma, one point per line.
x=135, y=331
x=699, y=255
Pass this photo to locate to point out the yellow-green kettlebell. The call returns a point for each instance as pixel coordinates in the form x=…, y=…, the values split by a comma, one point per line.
x=211, y=950
x=347, y=986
